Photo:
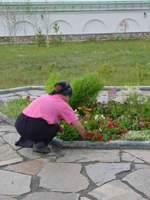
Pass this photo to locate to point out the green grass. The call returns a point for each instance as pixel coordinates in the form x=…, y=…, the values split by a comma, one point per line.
x=28, y=64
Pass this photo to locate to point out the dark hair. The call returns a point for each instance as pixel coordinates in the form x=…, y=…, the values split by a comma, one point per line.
x=62, y=87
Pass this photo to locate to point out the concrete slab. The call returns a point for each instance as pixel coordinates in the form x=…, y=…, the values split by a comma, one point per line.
x=36, y=93
x=8, y=155
x=130, y=158
x=115, y=190
x=51, y=196
x=142, y=166
x=6, y=198
x=2, y=141
x=140, y=180
x=28, y=152
x=7, y=128
x=30, y=168
x=63, y=177
x=11, y=138
x=101, y=173
x=84, y=198
x=86, y=155
x=12, y=183
x=140, y=154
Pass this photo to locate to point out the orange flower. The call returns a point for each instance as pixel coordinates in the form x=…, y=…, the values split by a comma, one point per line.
x=89, y=109
x=85, y=111
x=83, y=106
x=79, y=108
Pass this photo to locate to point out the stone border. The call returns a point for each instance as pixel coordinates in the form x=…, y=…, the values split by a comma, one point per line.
x=18, y=89
x=84, y=144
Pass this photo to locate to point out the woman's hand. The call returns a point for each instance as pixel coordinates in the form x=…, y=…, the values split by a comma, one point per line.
x=77, y=124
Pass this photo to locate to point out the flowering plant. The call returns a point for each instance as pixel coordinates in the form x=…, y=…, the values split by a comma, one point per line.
x=111, y=121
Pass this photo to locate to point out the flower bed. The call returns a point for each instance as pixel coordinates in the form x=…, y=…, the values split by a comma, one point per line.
x=112, y=121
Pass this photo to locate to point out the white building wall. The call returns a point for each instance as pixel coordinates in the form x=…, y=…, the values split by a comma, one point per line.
x=70, y=23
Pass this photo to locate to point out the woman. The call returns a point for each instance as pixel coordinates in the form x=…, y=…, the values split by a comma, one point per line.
x=39, y=121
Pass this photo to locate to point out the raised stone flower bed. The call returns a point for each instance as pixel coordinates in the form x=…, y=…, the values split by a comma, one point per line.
x=83, y=144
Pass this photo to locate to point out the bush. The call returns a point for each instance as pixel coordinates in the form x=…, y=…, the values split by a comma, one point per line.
x=85, y=89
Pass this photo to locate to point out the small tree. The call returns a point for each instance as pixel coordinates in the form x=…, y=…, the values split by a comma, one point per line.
x=10, y=18
x=139, y=73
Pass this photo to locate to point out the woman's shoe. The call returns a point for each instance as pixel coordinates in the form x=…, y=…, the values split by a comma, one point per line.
x=41, y=148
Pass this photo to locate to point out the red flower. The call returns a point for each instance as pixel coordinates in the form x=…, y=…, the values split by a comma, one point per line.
x=99, y=138
x=28, y=98
x=91, y=128
x=90, y=118
x=97, y=131
x=143, y=120
x=106, y=116
x=98, y=122
x=85, y=116
x=88, y=134
x=102, y=123
x=148, y=119
x=109, y=126
x=109, y=138
x=146, y=125
x=92, y=135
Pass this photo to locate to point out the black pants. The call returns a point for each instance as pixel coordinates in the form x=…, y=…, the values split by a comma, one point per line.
x=36, y=129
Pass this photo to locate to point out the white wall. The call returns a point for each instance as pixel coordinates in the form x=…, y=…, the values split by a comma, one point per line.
x=94, y=22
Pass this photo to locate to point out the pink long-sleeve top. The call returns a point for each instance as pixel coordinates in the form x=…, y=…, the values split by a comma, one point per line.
x=51, y=108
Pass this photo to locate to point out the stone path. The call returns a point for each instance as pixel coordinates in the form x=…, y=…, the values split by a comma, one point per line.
x=70, y=174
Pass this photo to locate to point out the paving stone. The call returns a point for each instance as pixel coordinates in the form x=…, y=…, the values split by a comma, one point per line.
x=7, y=128
x=6, y=95
x=29, y=153
x=8, y=155
x=88, y=155
x=51, y=196
x=101, y=173
x=115, y=190
x=12, y=183
x=11, y=138
x=84, y=198
x=21, y=93
x=141, y=166
x=2, y=141
x=140, y=154
x=31, y=168
x=129, y=158
x=36, y=93
x=6, y=198
x=140, y=180
x=63, y=177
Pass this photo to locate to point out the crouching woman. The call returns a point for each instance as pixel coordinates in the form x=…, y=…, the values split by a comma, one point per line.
x=38, y=123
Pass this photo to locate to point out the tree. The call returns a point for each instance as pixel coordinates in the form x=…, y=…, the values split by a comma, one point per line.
x=10, y=18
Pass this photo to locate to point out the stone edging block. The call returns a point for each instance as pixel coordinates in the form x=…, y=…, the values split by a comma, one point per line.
x=18, y=89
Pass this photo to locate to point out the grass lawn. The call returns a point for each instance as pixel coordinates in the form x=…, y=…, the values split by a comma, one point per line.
x=28, y=64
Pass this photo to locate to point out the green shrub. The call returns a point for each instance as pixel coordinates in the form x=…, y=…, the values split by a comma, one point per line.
x=85, y=89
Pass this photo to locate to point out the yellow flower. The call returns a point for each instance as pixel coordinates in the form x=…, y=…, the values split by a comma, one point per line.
x=62, y=125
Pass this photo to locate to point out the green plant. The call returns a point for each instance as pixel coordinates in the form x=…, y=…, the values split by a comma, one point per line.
x=105, y=71
x=40, y=37
x=139, y=73
x=85, y=89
